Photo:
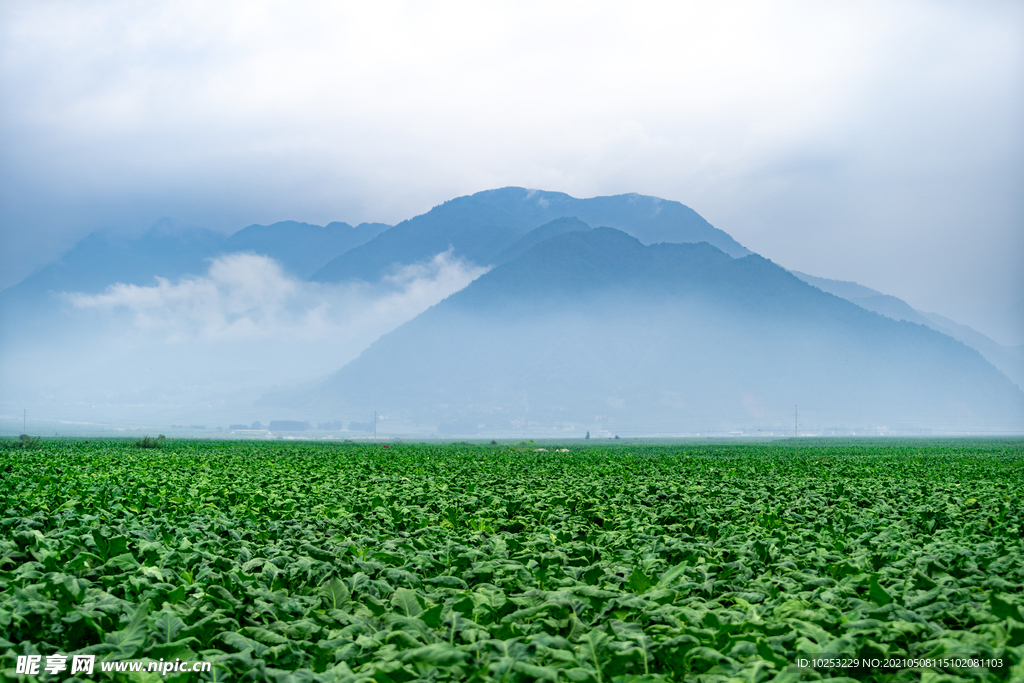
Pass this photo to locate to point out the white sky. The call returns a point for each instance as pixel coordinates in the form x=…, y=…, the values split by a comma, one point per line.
x=880, y=142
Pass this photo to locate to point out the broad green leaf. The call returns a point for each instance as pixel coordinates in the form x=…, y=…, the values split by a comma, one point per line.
x=432, y=616
x=406, y=602
x=375, y=606
x=263, y=635
x=72, y=587
x=166, y=627
x=118, y=545
x=132, y=638
x=223, y=596
x=638, y=581
x=242, y=643
x=180, y=649
x=878, y=594
x=438, y=654
x=1004, y=609
x=542, y=673
x=334, y=594
x=124, y=562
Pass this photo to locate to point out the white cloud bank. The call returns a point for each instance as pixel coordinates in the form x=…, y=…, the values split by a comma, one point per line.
x=245, y=297
x=204, y=348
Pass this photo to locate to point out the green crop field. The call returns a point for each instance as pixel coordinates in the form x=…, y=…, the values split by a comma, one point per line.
x=291, y=561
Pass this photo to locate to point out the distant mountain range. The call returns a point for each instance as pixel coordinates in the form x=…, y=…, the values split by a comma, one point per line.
x=1009, y=359
x=593, y=329
x=483, y=227
x=101, y=259
x=626, y=310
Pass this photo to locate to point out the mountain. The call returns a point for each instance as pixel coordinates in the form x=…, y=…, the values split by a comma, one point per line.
x=302, y=248
x=34, y=307
x=840, y=288
x=480, y=227
x=1009, y=360
x=593, y=330
x=868, y=298
x=102, y=259
x=538, y=235
x=659, y=322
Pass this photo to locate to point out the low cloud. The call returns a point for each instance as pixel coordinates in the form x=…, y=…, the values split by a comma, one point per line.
x=205, y=347
x=246, y=296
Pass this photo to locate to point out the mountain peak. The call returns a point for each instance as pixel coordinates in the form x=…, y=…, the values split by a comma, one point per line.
x=481, y=226
x=593, y=328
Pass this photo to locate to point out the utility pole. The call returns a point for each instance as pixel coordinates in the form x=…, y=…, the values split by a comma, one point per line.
x=24, y=421
x=375, y=426
x=796, y=415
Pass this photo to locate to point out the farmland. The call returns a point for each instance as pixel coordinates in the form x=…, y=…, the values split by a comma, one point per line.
x=289, y=561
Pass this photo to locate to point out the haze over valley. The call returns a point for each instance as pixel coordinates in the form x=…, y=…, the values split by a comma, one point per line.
x=506, y=312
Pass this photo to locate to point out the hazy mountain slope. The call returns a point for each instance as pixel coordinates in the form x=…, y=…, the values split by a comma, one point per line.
x=595, y=330
x=476, y=231
x=1009, y=359
x=300, y=247
x=868, y=298
x=892, y=307
x=1005, y=358
x=538, y=235
x=649, y=219
x=33, y=306
x=841, y=288
x=652, y=220
x=479, y=227
x=100, y=260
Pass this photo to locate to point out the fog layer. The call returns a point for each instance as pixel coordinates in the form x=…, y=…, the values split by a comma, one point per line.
x=201, y=348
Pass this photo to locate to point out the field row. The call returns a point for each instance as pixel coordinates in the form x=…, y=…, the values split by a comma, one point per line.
x=302, y=562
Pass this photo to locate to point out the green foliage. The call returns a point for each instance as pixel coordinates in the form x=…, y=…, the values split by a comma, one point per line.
x=26, y=441
x=146, y=442
x=346, y=562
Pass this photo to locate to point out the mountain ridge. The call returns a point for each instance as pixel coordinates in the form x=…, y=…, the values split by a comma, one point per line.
x=505, y=224
x=1009, y=360
x=595, y=328
x=488, y=222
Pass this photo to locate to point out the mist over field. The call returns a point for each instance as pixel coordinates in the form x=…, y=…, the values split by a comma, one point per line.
x=199, y=347
x=529, y=322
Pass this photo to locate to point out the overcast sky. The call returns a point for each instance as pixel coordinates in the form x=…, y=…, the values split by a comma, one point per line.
x=876, y=142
